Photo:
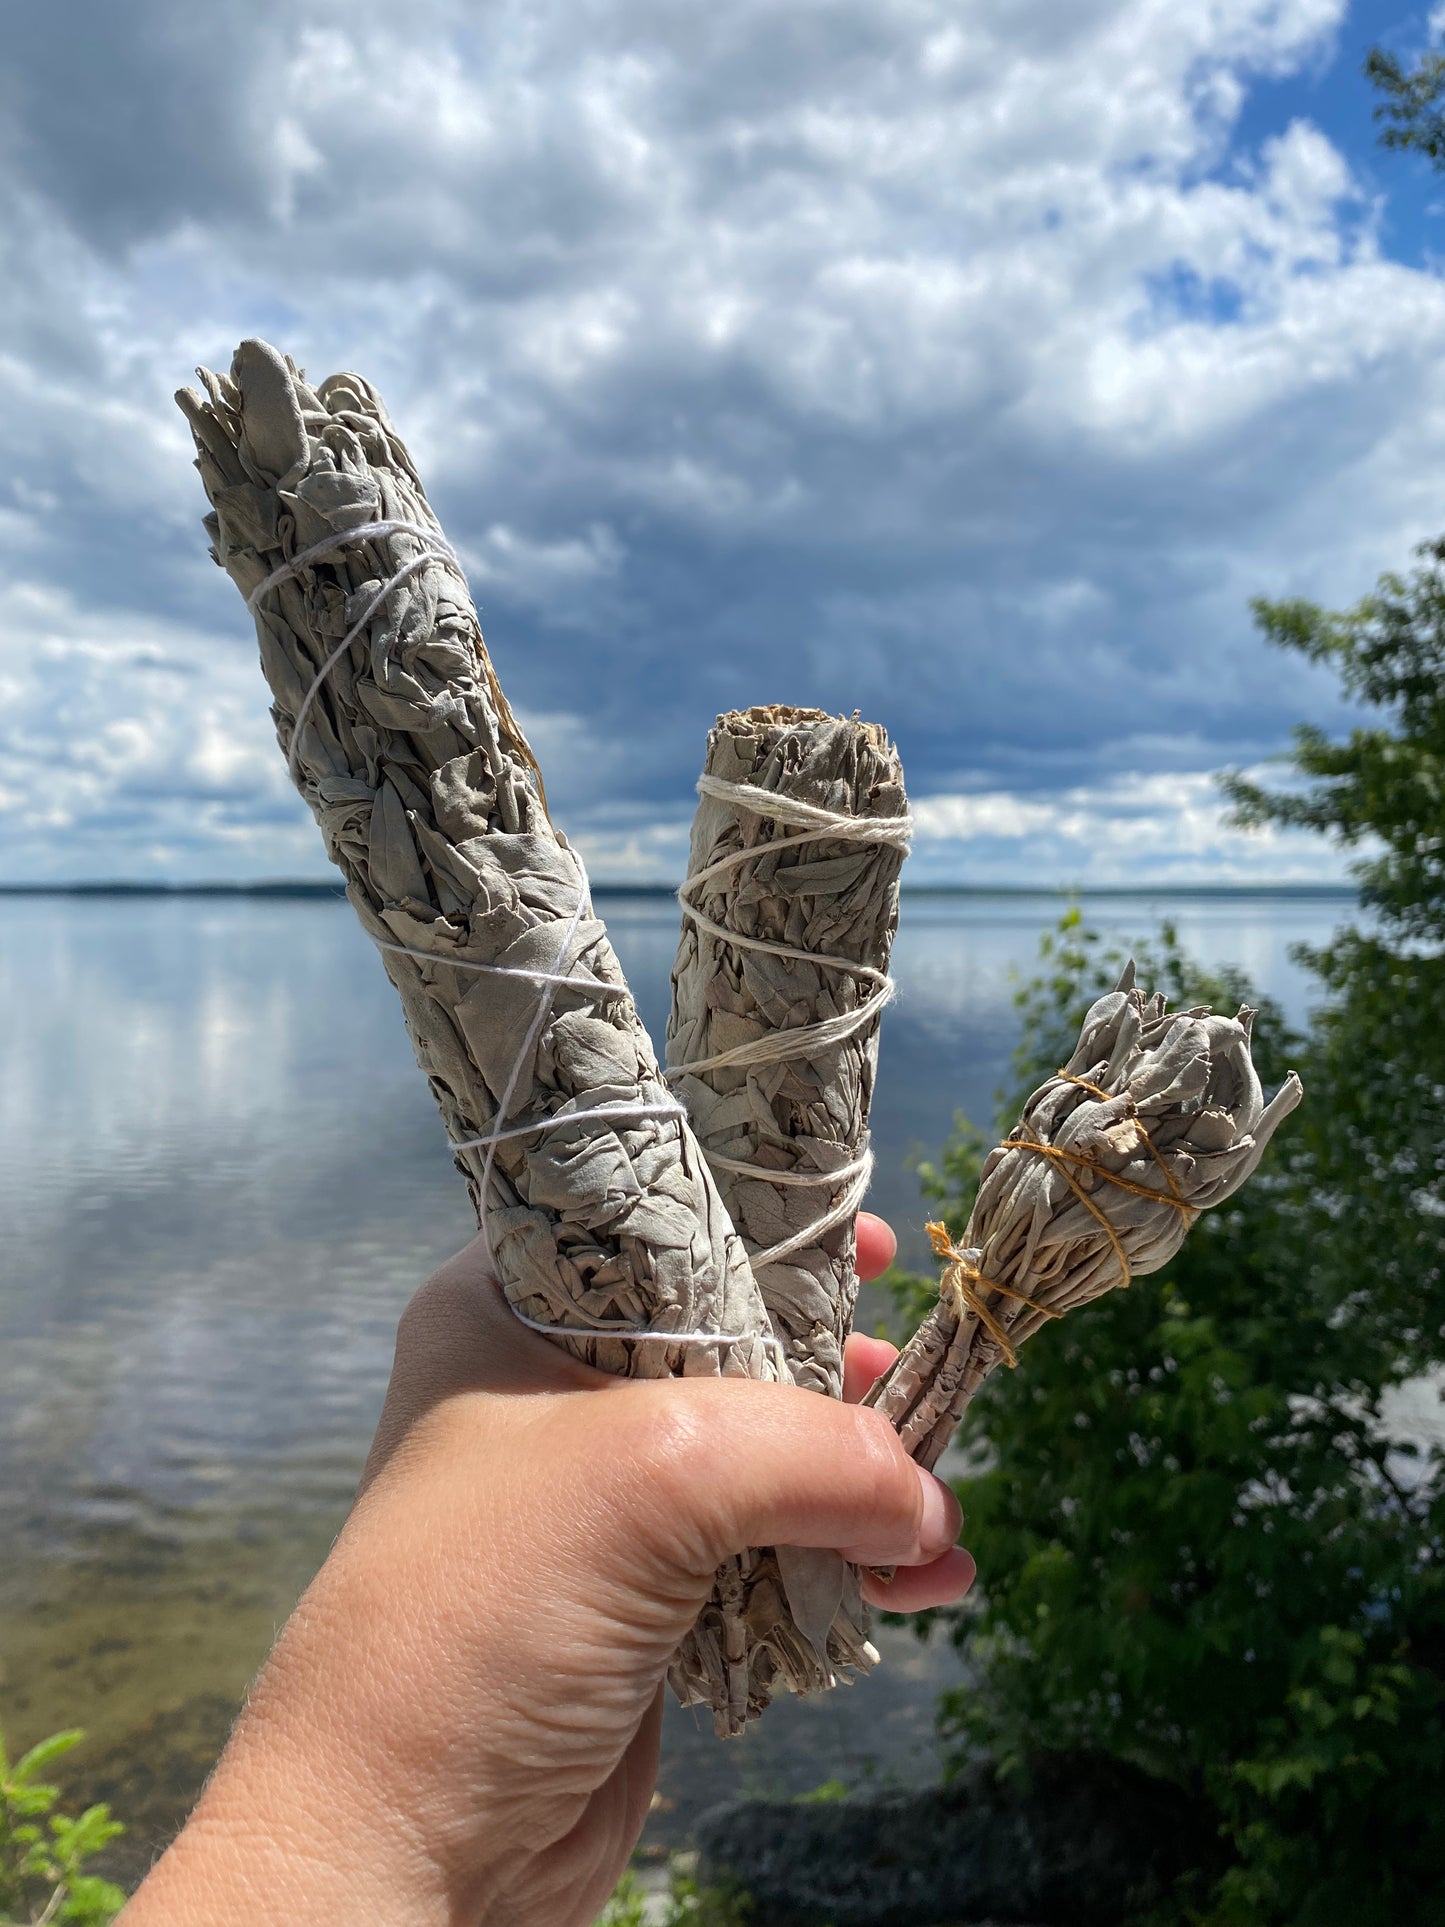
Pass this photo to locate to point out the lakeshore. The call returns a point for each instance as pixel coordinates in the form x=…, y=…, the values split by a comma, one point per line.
x=223, y=1177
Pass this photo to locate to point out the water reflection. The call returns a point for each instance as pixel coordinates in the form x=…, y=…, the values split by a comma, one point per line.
x=220, y=1178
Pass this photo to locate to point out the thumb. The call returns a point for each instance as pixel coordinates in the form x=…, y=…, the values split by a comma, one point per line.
x=753, y=1464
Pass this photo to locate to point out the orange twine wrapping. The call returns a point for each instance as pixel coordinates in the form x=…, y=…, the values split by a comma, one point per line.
x=963, y=1281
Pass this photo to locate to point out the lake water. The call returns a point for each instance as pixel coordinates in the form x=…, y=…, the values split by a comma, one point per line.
x=221, y=1176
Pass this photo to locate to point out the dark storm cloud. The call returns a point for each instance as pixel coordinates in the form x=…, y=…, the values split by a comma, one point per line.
x=130, y=119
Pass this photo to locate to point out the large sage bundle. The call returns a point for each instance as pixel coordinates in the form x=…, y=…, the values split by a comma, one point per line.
x=1153, y=1119
x=598, y=1206
x=789, y=910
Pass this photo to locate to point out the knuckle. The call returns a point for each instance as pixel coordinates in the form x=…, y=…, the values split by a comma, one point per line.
x=657, y=1444
x=428, y=1312
x=416, y=1320
x=887, y=1482
x=663, y=1465
x=667, y=1438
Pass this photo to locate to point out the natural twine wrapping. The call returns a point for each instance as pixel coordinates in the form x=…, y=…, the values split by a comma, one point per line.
x=1153, y=1119
x=789, y=910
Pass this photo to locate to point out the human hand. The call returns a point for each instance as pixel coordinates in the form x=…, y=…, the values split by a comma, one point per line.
x=460, y=1722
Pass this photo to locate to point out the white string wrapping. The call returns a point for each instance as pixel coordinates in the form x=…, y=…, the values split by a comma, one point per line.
x=814, y=824
x=440, y=550
x=594, y=985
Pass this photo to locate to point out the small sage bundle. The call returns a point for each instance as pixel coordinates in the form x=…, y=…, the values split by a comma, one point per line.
x=789, y=910
x=1153, y=1119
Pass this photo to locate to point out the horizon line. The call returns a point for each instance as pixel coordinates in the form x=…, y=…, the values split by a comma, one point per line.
x=320, y=888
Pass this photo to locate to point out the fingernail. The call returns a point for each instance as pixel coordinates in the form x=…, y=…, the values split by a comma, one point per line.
x=942, y=1515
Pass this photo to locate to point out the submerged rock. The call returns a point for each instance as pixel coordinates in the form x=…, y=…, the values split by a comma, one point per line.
x=1087, y=1843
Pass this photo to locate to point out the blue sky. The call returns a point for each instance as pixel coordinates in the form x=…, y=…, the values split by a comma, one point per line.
x=968, y=364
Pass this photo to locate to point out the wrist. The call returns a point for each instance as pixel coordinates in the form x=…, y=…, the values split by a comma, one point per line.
x=270, y=1863
x=286, y=1830
x=309, y=1814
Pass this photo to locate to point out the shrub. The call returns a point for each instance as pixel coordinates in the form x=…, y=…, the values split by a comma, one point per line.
x=686, y=1904
x=43, y=1852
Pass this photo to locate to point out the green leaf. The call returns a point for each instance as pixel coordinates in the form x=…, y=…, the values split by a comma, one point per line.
x=91, y=1902
x=827, y=1793
x=43, y=1753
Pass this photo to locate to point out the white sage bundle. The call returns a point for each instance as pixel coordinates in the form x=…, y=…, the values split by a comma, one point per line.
x=789, y=910
x=1153, y=1119
x=603, y=1221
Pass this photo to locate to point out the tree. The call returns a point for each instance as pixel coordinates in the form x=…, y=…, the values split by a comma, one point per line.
x=1412, y=105
x=1376, y=1131
x=1203, y=1554
x=1386, y=781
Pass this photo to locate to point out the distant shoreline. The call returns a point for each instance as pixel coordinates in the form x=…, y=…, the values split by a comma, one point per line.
x=305, y=890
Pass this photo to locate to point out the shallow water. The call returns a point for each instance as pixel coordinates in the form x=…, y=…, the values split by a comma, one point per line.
x=221, y=1176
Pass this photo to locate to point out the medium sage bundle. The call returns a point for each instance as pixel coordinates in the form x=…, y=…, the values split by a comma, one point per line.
x=790, y=906
x=789, y=910
x=1154, y=1118
x=603, y=1222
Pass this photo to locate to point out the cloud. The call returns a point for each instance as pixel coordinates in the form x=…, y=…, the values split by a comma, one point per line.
x=1131, y=829
x=128, y=747
x=969, y=371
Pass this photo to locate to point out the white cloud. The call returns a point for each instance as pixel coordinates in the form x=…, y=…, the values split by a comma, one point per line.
x=1131, y=829
x=647, y=851
x=137, y=748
